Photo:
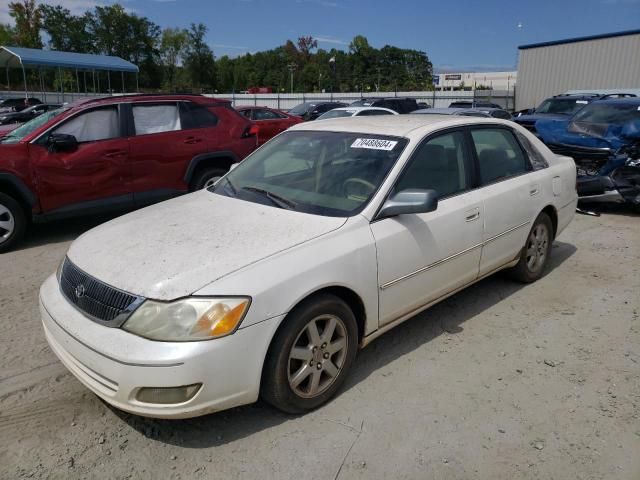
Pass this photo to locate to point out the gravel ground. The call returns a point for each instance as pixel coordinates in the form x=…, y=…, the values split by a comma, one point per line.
x=501, y=381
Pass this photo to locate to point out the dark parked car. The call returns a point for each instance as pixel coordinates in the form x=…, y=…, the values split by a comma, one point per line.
x=594, y=132
x=397, y=104
x=115, y=153
x=27, y=114
x=473, y=104
x=18, y=104
x=468, y=112
x=312, y=110
x=560, y=107
x=270, y=121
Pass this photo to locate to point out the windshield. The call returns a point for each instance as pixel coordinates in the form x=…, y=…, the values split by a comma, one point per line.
x=336, y=114
x=564, y=106
x=608, y=113
x=300, y=109
x=25, y=129
x=323, y=173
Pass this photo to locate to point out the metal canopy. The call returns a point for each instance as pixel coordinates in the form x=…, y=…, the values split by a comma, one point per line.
x=18, y=57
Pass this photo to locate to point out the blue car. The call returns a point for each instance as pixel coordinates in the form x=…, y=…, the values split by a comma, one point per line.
x=559, y=107
x=595, y=131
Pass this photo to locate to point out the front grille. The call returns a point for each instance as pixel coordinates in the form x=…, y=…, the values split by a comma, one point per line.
x=97, y=300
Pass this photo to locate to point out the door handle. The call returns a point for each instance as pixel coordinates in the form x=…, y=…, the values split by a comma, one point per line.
x=115, y=153
x=471, y=215
x=192, y=140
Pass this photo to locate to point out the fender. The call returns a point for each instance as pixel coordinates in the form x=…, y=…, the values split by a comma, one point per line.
x=25, y=193
x=195, y=161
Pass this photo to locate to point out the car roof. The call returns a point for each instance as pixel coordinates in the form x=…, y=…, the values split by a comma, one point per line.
x=631, y=101
x=358, y=108
x=147, y=97
x=408, y=125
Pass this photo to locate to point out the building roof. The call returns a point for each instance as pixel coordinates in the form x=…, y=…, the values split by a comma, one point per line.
x=14, y=57
x=579, y=39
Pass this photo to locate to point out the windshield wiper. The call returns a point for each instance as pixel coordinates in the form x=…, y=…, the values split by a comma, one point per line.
x=231, y=187
x=275, y=198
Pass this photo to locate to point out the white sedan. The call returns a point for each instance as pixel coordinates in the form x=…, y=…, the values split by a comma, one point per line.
x=356, y=112
x=268, y=282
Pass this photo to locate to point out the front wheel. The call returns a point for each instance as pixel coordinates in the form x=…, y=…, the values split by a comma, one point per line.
x=311, y=355
x=536, y=251
x=206, y=178
x=13, y=222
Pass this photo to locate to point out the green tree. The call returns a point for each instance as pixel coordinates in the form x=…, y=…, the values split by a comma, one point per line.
x=66, y=32
x=7, y=34
x=28, y=19
x=198, y=59
x=172, y=49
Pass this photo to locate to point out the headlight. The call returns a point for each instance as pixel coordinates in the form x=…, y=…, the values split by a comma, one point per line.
x=189, y=319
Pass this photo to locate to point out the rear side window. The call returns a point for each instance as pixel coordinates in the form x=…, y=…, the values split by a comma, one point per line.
x=264, y=114
x=246, y=113
x=197, y=116
x=157, y=118
x=538, y=161
x=98, y=124
x=499, y=154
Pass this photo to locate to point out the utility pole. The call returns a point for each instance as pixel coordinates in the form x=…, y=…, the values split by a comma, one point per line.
x=378, y=86
x=332, y=66
x=292, y=68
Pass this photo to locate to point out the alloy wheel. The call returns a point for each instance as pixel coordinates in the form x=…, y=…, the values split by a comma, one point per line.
x=537, y=247
x=7, y=223
x=317, y=356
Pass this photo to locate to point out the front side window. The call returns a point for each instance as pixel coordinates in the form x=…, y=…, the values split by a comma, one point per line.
x=150, y=118
x=32, y=125
x=92, y=126
x=324, y=173
x=439, y=164
x=499, y=154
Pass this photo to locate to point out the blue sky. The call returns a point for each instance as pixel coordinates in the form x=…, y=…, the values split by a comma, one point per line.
x=456, y=35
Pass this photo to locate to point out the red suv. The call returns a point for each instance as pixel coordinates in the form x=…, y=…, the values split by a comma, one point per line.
x=115, y=153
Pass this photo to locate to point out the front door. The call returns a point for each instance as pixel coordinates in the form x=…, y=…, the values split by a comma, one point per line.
x=96, y=174
x=424, y=256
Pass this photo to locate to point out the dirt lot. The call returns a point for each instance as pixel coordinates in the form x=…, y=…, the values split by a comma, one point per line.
x=501, y=381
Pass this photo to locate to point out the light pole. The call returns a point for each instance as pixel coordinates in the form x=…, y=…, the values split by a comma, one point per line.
x=332, y=66
x=292, y=68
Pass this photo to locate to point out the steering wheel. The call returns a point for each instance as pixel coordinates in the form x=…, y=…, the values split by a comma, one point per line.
x=357, y=187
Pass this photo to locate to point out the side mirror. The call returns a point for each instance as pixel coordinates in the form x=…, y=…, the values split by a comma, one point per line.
x=409, y=201
x=61, y=142
x=234, y=165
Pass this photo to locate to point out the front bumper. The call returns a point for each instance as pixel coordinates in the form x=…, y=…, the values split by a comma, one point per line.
x=115, y=364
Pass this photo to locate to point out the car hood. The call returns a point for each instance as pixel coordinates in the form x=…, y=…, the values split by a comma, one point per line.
x=568, y=132
x=175, y=248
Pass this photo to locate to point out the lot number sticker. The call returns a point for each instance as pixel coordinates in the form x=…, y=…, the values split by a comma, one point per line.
x=374, y=144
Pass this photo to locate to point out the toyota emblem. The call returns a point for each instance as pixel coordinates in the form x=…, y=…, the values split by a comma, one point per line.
x=80, y=291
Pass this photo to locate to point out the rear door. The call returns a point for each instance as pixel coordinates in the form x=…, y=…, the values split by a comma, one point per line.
x=94, y=175
x=511, y=194
x=165, y=137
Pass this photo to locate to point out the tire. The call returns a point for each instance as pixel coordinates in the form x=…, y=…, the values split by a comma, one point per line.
x=535, y=252
x=13, y=222
x=206, y=178
x=301, y=374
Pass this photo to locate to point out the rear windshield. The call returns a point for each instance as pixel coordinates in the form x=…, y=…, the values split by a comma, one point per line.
x=336, y=114
x=302, y=108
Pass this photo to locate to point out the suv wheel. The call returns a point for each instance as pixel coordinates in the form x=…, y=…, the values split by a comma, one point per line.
x=206, y=178
x=13, y=222
x=311, y=355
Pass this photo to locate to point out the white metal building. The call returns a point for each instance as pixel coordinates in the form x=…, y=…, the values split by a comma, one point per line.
x=610, y=61
x=493, y=80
